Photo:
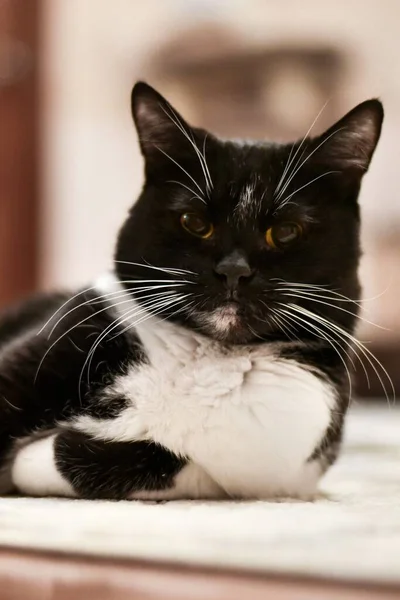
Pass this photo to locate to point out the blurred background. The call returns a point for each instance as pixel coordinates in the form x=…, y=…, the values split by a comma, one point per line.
x=69, y=162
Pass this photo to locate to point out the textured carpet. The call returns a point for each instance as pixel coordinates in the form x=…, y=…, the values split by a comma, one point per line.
x=352, y=531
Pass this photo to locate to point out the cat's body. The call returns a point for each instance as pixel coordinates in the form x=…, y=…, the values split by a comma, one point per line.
x=248, y=417
x=168, y=378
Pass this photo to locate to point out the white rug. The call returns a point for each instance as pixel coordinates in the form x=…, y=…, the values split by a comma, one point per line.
x=353, y=532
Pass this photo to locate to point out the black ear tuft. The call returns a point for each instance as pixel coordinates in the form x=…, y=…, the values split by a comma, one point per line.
x=351, y=142
x=160, y=128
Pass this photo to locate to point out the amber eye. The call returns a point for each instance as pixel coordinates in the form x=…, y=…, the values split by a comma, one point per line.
x=197, y=225
x=283, y=234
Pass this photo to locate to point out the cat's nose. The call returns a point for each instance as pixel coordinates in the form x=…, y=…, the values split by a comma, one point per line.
x=234, y=269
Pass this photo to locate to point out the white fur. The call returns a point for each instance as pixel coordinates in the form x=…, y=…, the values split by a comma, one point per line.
x=221, y=320
x=34, y=472
x=247, y=202
x=250, y=419
x=190, y=483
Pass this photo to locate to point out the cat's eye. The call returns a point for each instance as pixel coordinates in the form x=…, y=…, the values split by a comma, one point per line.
x=197, y=225
x=283, y=234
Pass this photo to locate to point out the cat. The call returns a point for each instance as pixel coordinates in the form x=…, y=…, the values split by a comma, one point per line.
x=213, y=360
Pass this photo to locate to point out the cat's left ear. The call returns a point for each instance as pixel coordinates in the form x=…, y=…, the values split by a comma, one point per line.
x=162, y=131
x=349, y=145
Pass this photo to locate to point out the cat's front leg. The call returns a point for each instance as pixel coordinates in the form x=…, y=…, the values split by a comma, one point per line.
x=72, y=463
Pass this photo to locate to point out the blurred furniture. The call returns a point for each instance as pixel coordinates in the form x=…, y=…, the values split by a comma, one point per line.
x=19, y=142
x=247, y=90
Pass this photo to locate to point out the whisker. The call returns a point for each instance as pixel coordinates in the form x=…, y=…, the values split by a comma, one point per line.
x=81, y=292
x=280, y=325
x=333, y=342
x=286, y=200
x=10, y=404
x=256, y=335
x=284, y=324
x=63, y=305
x=185, y=307
x=171, y=270
x=69, y=331
x=326, y=337
x=310, y=294
x=205, y=161
x=186, y=187
x=314, y=330
x=297, y=169
x=290, y=161
x=149, y=309
x=369, y=356
x=178, y=123
x=184, y=170
x=136, y=310
x=287, y=167
x=115, y=296
x=294, y=286
x=302, y=296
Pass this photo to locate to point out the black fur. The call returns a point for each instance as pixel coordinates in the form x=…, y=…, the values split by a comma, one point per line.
x=45, y=378
x=98, y=469
x=35, y=395
x=328, y=209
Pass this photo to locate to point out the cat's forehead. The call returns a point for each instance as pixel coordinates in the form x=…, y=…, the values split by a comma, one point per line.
x=246, y=182
x=241, y=183
x=249, y=198
x=249, y=173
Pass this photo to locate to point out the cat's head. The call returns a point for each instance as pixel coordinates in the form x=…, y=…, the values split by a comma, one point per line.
x=240, y=240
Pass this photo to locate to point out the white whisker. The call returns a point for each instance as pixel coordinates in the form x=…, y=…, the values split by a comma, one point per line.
x=76, y=325
x=63, y=305
x=178, y=123
x=291, y=160
x=297, y=168
x=286, y=200
x=309, y=288
x=188, y=188
x=156, y=313
x=302, y=296
x=69, y=331
x=160, y=304
x=182, y=169
x=137, y=309
x=146, y=308
x=205, y=161
x=369, y=356
x=284, y=324
x=314, y=330
x=171, y=270
x=115, y=296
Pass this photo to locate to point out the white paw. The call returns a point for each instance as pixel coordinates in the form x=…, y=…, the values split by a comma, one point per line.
x=34, y=471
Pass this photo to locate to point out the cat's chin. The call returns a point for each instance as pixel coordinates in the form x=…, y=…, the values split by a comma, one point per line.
x=225, y=324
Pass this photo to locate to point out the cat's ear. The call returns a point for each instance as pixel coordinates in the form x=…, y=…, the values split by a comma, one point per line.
x=162, y=131
x=349, y=145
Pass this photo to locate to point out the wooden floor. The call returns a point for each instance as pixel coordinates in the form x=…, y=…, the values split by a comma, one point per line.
x=37, y=576
x=223, y=550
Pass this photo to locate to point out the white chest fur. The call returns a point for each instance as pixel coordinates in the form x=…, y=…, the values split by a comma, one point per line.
x=250, y=419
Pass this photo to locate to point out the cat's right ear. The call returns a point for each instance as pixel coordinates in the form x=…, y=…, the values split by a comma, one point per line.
x=163, y=134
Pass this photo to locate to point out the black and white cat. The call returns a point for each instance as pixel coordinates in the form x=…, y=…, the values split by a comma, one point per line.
x=213, y=361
